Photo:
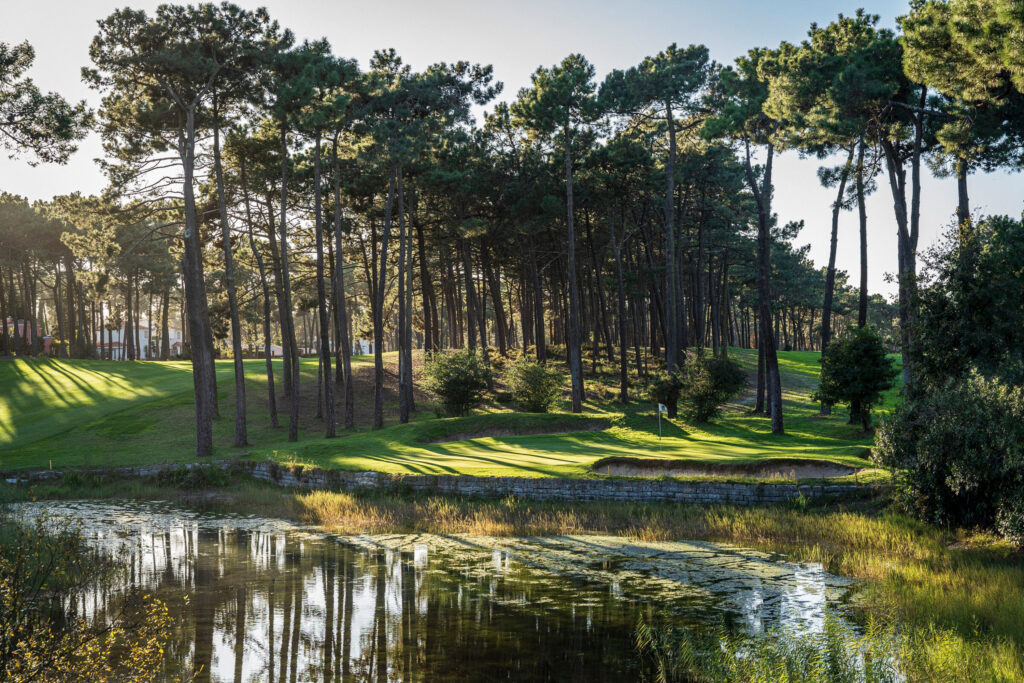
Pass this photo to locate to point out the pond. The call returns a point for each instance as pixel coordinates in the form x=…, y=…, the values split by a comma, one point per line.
x=258, y=599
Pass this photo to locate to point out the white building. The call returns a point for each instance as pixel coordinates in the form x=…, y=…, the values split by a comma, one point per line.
x=113, y=342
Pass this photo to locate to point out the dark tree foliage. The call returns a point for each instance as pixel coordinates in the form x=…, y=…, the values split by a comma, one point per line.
x=970, y=307
x=665, y=387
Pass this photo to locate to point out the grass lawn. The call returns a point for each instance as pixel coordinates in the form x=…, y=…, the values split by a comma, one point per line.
x=95, y=413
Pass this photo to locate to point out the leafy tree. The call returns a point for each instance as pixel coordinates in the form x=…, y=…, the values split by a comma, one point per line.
x=970, y=313
x=856, y=371
x=157, y=76
x=239, y=40
x=821, y=89
x=43, y=124
x=964, y=50
x=664, y=85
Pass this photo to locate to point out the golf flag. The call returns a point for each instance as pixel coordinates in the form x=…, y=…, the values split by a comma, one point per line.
x=662, y=408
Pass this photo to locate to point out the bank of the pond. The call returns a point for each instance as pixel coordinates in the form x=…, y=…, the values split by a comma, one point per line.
x=695, y=490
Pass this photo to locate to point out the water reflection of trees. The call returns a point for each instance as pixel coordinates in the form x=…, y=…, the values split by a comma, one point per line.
x=259, y=606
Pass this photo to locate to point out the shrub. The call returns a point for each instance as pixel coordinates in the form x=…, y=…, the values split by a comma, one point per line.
x=664, y=387
x=459, y=378
x=535, y=387
x=855, y=370
x=194, y=478
x=708, y=384
x=45, y=569
x=557, y=351
x=958, y=454
x=498, y=362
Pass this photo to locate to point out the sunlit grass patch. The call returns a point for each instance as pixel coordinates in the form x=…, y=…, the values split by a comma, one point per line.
x=108, y=414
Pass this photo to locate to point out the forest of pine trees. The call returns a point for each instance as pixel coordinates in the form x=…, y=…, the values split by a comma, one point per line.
x=266, y=193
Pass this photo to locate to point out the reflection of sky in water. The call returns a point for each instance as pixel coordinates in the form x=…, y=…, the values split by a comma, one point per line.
x=422, y=607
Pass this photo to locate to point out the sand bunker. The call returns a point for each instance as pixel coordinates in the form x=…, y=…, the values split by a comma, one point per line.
x=778, y=468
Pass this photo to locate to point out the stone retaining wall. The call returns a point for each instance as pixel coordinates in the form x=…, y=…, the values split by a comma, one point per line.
x=622, y=489
x=551, y=488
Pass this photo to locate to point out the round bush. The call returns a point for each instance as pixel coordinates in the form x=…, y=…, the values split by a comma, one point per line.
x=708, y=384
x=459, y=378
x=959, y=455
x=534, y=387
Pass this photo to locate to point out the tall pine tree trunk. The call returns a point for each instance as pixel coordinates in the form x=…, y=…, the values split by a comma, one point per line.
x=467, y=274
x=404, y=312
x=321, y=295
x=762, y=195
x=127, y=337
x=575, y=362
x=265, y=287
x=830, y=273
x=538, y=307
x=241, y=430
x=862, y=212
x=165, y=333
x=288, y=322
x=341, y=306
x=275, y=259
x=907, y=222
x=963, y=206
x=378, y=309
x=407, y=366
x=621, y=291
x=75, y=339
x=430, y=318
x=671, y=301
x=5, y=336
x=203, y=369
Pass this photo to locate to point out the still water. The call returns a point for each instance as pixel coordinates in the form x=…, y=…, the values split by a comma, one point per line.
x=263, y=600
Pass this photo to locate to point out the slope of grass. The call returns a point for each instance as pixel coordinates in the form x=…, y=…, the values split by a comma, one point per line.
x=43, y=397
x=90, y=413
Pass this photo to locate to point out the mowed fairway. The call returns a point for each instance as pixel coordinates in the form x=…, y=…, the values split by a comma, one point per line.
x=40, y=398
x=96, y=414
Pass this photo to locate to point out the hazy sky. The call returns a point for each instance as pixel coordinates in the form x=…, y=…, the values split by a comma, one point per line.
x=516, y=37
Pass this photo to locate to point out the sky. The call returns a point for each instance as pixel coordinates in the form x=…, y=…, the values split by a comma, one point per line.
x=517, y=37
